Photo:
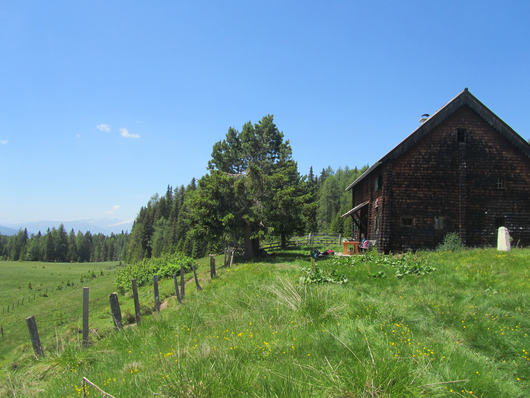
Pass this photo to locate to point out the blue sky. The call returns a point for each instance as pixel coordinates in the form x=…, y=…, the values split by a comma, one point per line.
x=103, y=104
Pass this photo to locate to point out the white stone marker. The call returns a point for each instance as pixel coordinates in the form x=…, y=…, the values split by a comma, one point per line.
x=503, y=240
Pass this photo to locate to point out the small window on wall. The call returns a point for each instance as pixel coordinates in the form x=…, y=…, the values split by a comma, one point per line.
x=438, y=223
x=500, y=183
x=377, y=223
x=379, y=183
x=500, y=222
x=407, y=222
x=461, y=135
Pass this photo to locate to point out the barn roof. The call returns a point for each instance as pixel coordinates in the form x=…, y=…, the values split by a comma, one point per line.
x=463, y=98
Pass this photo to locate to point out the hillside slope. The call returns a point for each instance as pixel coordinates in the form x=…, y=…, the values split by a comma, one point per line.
x=460, y=330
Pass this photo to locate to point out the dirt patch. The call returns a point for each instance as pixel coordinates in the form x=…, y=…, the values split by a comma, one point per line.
x=164, y=304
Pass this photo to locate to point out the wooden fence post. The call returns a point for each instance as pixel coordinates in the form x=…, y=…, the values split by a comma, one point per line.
x=34, y=336
x=182, y=287
x=175, y=281
x=115, y=310
x=340, y=240
x=136, y=302
x=213, y=273
x=226, y=252
x=157, y=298
x=85, y=316
x=199, y=288
x=232, y=257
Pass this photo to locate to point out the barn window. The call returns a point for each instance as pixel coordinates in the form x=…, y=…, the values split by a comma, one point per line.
x=438, y=223
x=461, y=135
x=500, y=183
x=407, y=222
x=500, y=222
x=379, y=182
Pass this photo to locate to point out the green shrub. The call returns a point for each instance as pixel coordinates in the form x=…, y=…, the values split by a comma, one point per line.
x=319, y=275
x=451, y=243
x=164, y=266
x=413, y=265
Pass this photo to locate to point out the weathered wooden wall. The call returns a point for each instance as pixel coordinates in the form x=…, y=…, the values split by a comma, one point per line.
x=440, y=177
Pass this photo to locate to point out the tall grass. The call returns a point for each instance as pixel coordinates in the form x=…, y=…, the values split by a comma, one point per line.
x=460, y=330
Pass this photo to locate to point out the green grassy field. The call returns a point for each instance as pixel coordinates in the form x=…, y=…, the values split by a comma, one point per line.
x=459, y=330
x=55, y=297
x=16, y=275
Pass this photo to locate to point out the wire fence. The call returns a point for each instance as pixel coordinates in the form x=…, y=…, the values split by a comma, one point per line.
x=54, y=318
x=59, y=319
x=311, y=239
x=43, y=292
x=58, y=311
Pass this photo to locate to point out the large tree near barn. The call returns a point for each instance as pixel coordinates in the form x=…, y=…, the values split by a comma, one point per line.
x=253, y=188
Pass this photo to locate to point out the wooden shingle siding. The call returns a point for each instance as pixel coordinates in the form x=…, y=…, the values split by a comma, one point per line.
x=463, y=170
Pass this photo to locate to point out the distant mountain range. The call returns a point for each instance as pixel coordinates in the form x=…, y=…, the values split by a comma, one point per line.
x=104, y=226
x=7, y=231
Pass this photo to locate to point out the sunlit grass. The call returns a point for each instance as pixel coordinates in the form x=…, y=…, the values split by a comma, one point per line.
x=461, y=330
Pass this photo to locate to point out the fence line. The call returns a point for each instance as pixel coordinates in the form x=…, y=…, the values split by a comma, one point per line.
x=41, y=292
x=115, y=312
x=313, y=238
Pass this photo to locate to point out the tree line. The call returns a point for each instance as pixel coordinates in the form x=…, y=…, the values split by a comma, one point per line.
x=56, y=245
x=252, y=192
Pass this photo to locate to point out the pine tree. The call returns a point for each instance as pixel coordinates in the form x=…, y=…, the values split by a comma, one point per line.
x=49, y=251
x=253, y=160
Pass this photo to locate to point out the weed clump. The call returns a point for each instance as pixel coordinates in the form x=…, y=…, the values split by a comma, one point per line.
x=319, y=275
x=451, y=243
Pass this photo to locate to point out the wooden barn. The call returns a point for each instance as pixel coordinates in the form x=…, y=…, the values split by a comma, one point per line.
x=462, y=170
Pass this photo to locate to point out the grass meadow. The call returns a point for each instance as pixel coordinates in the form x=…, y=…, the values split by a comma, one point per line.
x=460, y=330
x=55, y=297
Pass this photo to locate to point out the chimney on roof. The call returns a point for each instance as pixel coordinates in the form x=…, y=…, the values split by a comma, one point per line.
x=423, y=118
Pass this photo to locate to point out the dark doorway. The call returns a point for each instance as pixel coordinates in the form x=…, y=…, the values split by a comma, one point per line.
x=363, y=213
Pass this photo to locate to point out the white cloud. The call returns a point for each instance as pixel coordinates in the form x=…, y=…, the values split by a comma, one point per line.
x=123, y=222
x=103, y=127
x=4, y=142
x=125, y=133
x=114, y=208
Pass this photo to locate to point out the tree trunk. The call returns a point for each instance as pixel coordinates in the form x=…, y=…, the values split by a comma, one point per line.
x=284, y=240
x=251, y=245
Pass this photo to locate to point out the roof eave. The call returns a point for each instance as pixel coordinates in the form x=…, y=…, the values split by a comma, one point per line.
x=463, y=98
